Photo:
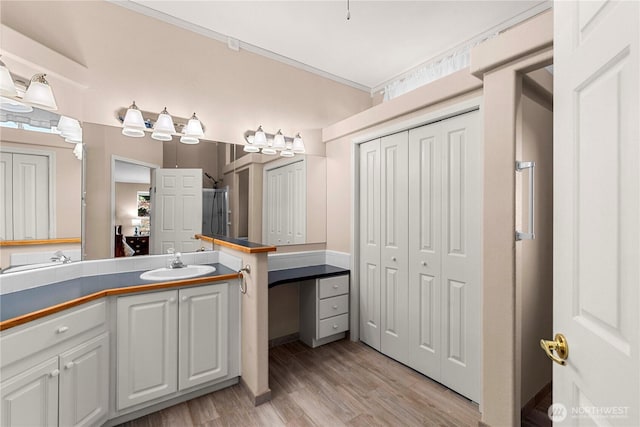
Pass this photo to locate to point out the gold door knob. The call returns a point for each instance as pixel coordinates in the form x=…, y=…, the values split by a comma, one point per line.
x=561, y=347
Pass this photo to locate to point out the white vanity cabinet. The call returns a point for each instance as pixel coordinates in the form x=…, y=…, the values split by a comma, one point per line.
x=170, y=341
x=324, y=310
x=55, y=371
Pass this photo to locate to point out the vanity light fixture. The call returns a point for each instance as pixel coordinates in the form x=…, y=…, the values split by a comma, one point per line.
x=192, y=131
x=133, y=124
x=39, y=93
x=70, y=129
x=259, y=141
x=78, y=151
x=164, y=128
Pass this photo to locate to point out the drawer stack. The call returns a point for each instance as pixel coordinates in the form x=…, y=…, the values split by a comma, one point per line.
x=324, y=310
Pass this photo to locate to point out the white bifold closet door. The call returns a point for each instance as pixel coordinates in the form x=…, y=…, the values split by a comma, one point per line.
x=420, y=241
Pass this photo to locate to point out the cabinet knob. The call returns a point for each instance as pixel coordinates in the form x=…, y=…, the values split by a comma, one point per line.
x=335, y=307
x=172, y=300
x=335, y=326
x=424, y=263
x=184, y=298
x=62, y=329
x=335, y=286
x=55, y=373
x=69, y=365
x=393, y=258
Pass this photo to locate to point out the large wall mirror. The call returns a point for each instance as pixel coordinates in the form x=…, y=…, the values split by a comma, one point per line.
x=41, y=189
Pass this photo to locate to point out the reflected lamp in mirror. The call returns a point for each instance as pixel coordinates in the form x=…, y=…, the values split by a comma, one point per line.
x=266, y=143
x=133, y=124
x=136, y=223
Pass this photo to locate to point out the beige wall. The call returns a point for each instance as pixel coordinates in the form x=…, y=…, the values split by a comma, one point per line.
x=203, y=156
x=102, y=143
x=534, y=258
x=127, y=204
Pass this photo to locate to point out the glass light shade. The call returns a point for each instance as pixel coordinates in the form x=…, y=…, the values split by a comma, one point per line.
x=68, y=126
x=269, y=151
x=287, y=153
x=163, y=128
x=73, y=137
x=133, y=124
x=194, y=128
x=7, y=86
x=13, y=106
x=39, y=93
x=250, y=149
x=298, y=145
x=187, y=139
x=259, y=138
x=77, y=151
x=278, y=141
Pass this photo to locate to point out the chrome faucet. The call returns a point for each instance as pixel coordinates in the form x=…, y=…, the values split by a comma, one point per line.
x=176, y=260
x=60, y=257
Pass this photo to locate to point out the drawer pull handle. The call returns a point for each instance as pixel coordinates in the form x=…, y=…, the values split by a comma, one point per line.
x=393, y=258
x=335, y=307
x=54, y=373
x=62, y=329
x=424, y=263
x=69, y=365
x=184, y=298
x=335, y=326
x=335, y=286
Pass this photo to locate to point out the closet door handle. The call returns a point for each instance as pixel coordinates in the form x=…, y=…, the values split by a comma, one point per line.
x=520, y=166
x=424, y=263
x=393, y=258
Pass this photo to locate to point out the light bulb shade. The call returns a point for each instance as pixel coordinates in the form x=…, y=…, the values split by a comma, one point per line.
x=163, y=128
x=161, y=136
x=39, y=93
x=7, y=85
x=133, y=124
x=74, y=137
x=269, y=151
x=250, y=149
x=78, y=151
x=194, y=128
x=259, y=138
x=287, y=153
x=298, y=145
x=13, y=106
x=68, y=126
x=187, y=139
x=278, y=141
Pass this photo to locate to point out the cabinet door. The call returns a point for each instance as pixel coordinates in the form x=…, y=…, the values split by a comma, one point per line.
x=6, y=195
x=370, y=243
x=203, y=342
x=394, y=252
x=274, y=201
x=425, y=206
x=31, y=398
x=84, y=383
x=147, y=347
x=30, y=197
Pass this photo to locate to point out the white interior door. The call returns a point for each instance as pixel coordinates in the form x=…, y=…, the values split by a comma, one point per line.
x=176, y=209
x=30, y=197
x=370, y=243
x=597, y=217
x=394, y=253
x=6, y=187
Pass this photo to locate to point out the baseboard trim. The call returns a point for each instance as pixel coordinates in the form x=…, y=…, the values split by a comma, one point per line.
x=260, y=398
x=284, y=339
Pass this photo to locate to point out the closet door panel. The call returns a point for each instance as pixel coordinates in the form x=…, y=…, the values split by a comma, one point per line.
x=370, y=243
x=30, y=197
x=424, y=249
x=461, y=268
x=394, y=253
x=6, y=186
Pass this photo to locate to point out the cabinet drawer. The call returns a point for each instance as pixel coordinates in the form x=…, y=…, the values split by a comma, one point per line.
x=22, y=343
x=333, y=325
x=333, y=286
x=333, y=306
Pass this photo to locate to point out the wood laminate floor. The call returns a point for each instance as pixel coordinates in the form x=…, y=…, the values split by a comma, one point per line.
x=338, y=384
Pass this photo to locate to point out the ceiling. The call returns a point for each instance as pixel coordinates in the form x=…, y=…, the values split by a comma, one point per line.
x=381, y=41
x=131, y=173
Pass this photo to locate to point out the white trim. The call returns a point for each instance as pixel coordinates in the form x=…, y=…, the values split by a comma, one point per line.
x=161, y=16
x=115, y=158
x=435, y=116
x=511, y=22
x=51, y=156
x=284, y=261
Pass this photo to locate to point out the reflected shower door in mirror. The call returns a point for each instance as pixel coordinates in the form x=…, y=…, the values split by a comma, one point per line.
x=41, y=190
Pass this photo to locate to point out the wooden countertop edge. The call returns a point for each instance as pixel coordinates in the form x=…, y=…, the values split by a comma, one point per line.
x=39, y=242
x=10, y=323
x=237, y=247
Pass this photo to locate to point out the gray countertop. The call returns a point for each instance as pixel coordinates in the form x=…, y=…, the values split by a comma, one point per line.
x=30, y=300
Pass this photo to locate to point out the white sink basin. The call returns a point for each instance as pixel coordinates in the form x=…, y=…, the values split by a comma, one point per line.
x=177, y=273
